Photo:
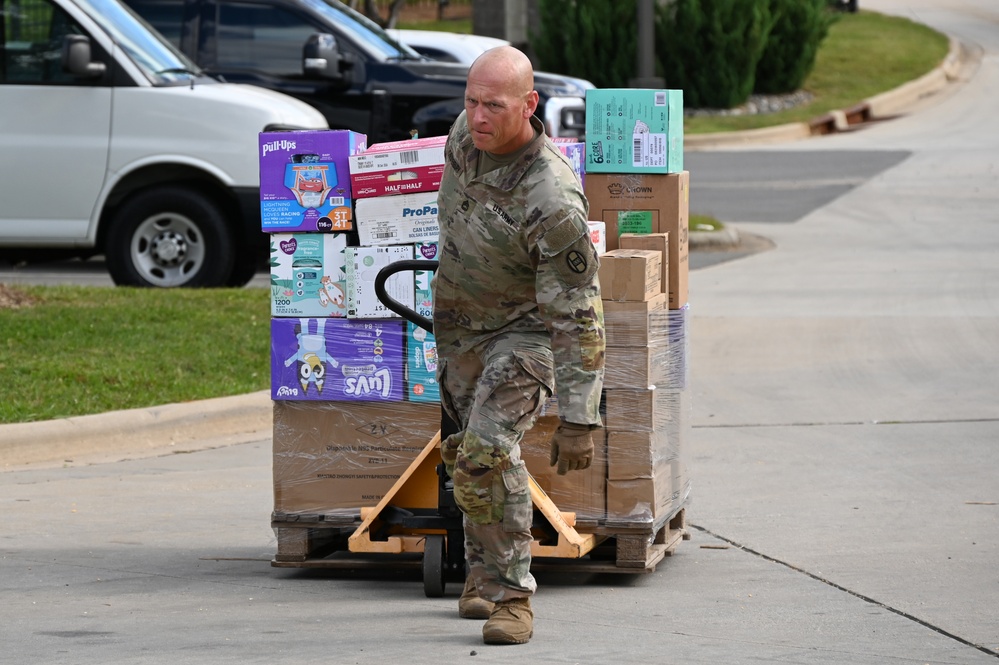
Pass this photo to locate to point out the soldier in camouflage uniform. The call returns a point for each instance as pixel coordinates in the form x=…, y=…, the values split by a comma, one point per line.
x=517, y=316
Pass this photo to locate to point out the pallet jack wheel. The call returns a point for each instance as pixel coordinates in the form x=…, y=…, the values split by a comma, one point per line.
x=434, y=563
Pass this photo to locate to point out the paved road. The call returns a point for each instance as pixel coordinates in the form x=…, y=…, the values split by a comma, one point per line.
x=843, y=457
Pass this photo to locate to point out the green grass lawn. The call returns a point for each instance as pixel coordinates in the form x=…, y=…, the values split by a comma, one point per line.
x=70, y=351
x=74, y=350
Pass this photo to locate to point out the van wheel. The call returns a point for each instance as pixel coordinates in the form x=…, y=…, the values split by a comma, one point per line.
x=169, y=237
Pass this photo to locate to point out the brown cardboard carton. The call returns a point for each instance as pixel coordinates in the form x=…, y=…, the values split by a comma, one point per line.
x=646, y=203
x=630, y=274
x=629, y=323
x=658, y=242
x=636, y=367
x=335, y=457
x=581, y=492
x=651, y=409
x=637, y=454
x=641, y=498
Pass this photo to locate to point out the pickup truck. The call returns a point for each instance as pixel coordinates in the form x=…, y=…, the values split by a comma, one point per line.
x=113, y=143
x=341, y=62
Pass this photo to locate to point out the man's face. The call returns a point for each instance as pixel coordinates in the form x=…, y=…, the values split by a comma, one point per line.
x=497, y=112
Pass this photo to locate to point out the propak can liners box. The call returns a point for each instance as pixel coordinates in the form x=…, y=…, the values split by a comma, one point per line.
x=634, y=131
x=308, y=276
x=337, y=359
x=399, y=219
x=305, y=179
x=398, y=167
x=362, y=266
x=633, y=203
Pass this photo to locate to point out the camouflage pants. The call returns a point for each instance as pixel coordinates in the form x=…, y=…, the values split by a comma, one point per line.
x=494, y=396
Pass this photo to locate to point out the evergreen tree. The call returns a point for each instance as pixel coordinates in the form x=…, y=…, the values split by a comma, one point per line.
x=710, y=48
x=789, y=56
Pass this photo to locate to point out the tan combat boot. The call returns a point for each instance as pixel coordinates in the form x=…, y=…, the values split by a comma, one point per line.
x=511, y=622
x=470, y=606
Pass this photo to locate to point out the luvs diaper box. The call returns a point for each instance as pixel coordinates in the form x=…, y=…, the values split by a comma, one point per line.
x=337, y=359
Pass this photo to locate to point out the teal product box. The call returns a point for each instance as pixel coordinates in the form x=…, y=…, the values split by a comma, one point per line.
x=424, y=251
x=308, y=275
x=305, y=179
x=421, y=365
x=634, y=131
x=363, y=265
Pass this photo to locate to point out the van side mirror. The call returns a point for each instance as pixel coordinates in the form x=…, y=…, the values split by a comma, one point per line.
x=322, y=57
x=76, y=58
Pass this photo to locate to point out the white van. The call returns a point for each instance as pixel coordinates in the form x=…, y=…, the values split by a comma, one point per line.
x=112, y=142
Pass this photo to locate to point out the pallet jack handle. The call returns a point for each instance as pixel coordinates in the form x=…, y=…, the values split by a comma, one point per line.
x=393, y=304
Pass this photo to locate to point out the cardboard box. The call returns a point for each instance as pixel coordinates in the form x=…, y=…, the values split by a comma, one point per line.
x=424, y=251
x=630, y=323
x=636, y=366
x=362, y=265
x=337, y=359
x=644, y=410
x=398, y=167
x=634, y=131
x=581, y=492
x=658, y=242
x=421, y=365
x=647, y=204
x=638, y=454
x=307, y=274
x=305, y=179
x=336, y=457
x=394, y=220
x=630, y=274
x=645, y=499
x=598, y=234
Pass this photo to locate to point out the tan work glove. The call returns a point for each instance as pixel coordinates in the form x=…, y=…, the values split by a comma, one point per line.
x=572, y=448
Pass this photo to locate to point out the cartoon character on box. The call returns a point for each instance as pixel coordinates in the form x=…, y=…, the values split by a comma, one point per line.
x=311, y=355
x=331, y=292
x=306, y=177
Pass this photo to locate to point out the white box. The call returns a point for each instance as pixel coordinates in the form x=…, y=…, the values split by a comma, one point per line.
x=307, y=274
x=363, y=264
x=399, y=219
x=598, y=234
x=398, y=167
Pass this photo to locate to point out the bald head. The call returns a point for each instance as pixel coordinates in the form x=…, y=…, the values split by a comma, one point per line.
x=500, y=100
x=506, y=67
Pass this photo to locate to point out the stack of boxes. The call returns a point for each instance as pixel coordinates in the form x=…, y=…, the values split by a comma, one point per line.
x=636, y=185
x=354, y=385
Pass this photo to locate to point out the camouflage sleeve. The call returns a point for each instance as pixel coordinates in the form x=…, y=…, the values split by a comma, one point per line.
x=569, y=300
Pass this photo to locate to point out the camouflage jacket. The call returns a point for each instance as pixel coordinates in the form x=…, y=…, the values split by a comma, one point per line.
x=516, y=256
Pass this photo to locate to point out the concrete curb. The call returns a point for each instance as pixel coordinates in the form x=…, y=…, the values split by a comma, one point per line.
x=137, y=432
x=881, y=106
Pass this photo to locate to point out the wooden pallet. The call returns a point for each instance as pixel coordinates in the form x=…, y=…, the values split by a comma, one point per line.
x=318, y=541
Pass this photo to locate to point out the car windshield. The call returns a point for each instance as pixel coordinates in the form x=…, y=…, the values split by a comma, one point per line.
x=369, y=34
x=158, y=59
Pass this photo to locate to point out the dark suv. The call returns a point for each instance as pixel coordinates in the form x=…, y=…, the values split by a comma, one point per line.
x=339, y=61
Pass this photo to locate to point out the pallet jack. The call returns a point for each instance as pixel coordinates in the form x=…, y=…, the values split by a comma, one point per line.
x=398, y=524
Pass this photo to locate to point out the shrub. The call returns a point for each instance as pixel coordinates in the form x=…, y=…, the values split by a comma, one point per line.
x=710, y=48
x=789, y=56
x=589, y=39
